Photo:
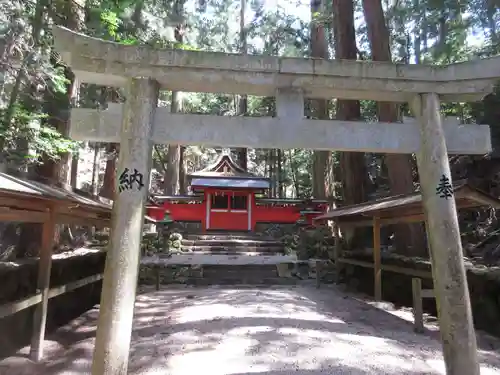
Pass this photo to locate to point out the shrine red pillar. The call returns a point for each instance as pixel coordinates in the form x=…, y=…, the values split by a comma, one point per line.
x=205, y=220
x=252, y=206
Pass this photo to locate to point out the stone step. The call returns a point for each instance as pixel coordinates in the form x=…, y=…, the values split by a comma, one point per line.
x=231, y=252
x=220, y=259
x=242, y=274
x=232, y=242
x=236, y=249
x=198, y=269
x=226, y=236
x=241, y=281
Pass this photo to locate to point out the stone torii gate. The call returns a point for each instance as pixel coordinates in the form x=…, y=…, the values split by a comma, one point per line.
x=144, y=71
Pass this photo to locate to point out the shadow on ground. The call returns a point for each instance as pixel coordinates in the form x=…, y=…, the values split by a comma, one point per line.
x=224, y=331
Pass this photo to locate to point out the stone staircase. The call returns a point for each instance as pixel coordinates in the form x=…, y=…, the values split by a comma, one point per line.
x=232, y=244
x=225, y=259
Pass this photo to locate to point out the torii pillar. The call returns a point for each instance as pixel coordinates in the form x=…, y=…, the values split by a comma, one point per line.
x=111, y=352
x=445, y=247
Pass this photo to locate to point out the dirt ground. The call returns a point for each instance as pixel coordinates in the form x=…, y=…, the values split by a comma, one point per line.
x=272, y=331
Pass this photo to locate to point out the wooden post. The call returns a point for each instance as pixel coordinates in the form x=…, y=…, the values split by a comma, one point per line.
x=157, y=272
x=319, y=267
x=377, y=271
x=418, y=310
x=43, y=286
x=337, y=253
x=112, y=346
x=450, y=282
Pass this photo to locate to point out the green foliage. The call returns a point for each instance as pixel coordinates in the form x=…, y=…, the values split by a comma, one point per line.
x=151, y=244
x=313, y=242
x=27, y=128
x=110, y=22
x=50, y=142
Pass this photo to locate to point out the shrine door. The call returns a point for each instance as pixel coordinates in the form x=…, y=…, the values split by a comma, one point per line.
x=228, y=210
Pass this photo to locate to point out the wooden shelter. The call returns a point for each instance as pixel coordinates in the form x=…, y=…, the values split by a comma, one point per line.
x=407, y=208
x=29, y=201
x=33, y=202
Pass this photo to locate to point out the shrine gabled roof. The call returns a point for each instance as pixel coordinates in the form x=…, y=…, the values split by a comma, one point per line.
x=224, y=167
x=236, y=183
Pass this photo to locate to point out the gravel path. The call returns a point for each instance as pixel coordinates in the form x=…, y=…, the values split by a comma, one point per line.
x=273, y=331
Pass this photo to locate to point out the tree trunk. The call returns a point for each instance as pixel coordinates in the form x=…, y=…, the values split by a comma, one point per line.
x=108, y=188
x=270, y=155
x=276, y=173
x=279, y=185
x=409, y=238
x=418, y=33
x=182, y=171
x=243, y=100
x=491, y=8
x=319, y=107
x=352, y=164
x=295, y=174
x=74, y=170
x=171, y=185
x=95, y=170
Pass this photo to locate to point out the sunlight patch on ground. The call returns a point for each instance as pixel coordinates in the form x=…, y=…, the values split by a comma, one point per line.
x=296, y=337
x=277, y=331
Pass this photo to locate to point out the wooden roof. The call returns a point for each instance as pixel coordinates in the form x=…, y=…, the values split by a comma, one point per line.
x=31, y=201
x=405, y=208
x=226, y=167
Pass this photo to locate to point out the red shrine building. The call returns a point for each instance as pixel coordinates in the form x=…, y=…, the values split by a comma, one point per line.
x=225, y=197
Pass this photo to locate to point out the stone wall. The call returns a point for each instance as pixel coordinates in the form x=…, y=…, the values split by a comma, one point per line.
x=172, y=274
x=187, y=227
x=275, y=230
x=484, y=287
x=18, y=280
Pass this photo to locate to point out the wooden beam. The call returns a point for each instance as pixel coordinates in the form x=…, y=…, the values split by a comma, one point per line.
x=43, y=283
x=58, y=290
x=76, y=219
x=72, y=207
x=11, y=308
x=418, y=310
x=400, y=211
x=377, y=272
x=42, y=203
x=407, y=271
x=356, y=223
x=23, y=216
x=428, y=293
x=387, y=267
x=20, y=202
